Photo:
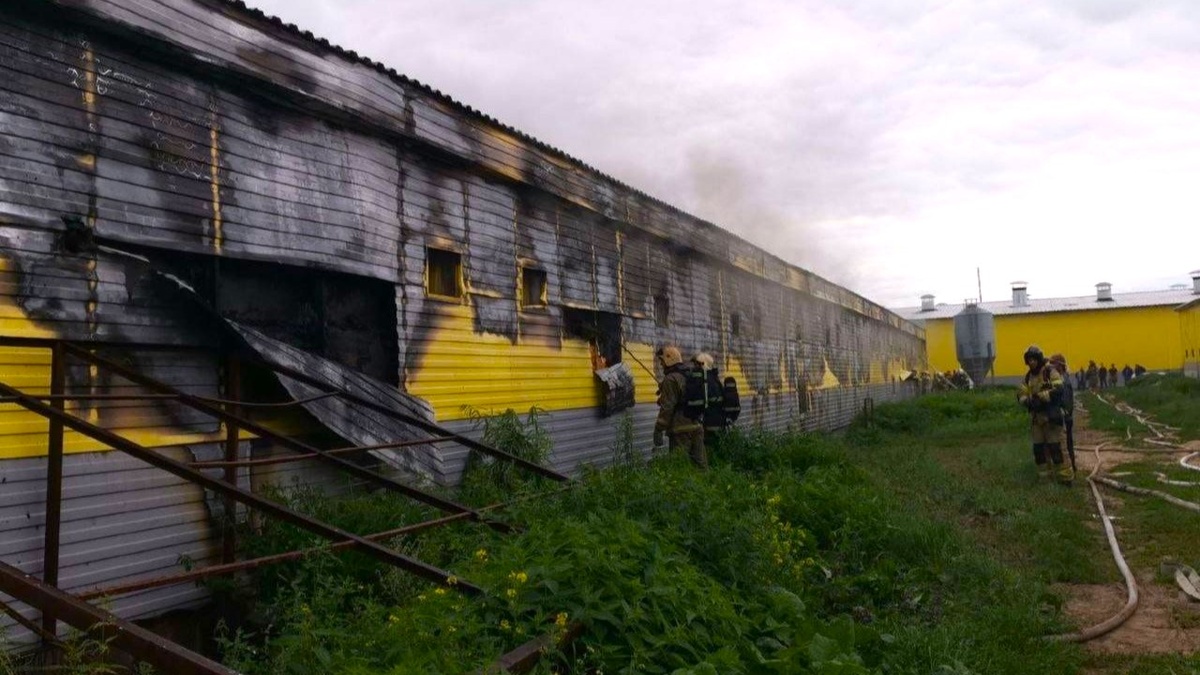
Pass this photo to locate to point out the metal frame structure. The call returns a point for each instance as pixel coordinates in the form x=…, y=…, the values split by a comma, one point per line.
x=55, y=604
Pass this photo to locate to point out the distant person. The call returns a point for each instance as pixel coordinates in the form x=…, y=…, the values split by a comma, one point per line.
x=1093, y=379
x=1138, y=370
x=1112, y=375
x=1041, y=394
x=675, y=420
x=1103, y=376
x=1127, y=373
x=1080, y=379
x=1068, y=407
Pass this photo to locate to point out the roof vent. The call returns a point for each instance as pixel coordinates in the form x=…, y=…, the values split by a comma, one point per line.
x=1196, y=282
x=1178, y=287
x=927, y=303
x=1020, y=296
x=1104, y=292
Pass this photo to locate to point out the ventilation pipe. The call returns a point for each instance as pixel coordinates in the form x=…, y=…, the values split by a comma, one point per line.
x=1020, y=294
x=1104, y=292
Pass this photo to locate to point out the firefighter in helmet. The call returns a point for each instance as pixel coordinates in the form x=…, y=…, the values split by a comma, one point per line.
x=681, y=426
x=1042, y=394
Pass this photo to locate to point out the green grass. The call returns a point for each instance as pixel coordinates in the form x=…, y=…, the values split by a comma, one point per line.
x=1173, y=399
x=1126, y=429
x=917, y=542
x=1153, y=530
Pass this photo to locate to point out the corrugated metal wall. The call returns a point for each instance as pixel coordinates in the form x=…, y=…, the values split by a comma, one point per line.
x=195, y=131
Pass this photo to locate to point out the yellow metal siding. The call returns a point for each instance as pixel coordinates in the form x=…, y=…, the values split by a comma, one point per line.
x=1150, y=336
x=939, y=344
x=1189, y=336
x=1145, y=335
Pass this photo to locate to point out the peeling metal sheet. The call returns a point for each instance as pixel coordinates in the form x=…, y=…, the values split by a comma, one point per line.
x=617, y=383
x=360, y=427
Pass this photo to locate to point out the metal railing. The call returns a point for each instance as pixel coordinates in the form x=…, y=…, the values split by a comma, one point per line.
x=55, y=604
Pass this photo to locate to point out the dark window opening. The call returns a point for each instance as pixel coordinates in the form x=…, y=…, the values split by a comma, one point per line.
x=601, y=329
x=662, y=311
x=345, y=318
x=533, y=287
x=735, y=324
x=443, y=273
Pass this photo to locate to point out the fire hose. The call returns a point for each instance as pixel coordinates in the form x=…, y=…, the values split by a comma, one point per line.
x=1185, y=576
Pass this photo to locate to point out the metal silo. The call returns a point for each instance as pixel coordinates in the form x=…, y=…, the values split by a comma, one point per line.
x=975, y=341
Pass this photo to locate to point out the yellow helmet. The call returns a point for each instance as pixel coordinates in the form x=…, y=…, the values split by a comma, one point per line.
x=670, y=356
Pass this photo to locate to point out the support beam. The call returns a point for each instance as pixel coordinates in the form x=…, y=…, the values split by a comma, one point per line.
x=289, y=443
x=430, y=427
x=269, y=507
x=164, y=655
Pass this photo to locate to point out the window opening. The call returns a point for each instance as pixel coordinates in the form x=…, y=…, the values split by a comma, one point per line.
x=533, y=287
x=443, y=273
x=662, y=311
x=735, y=324
x=602, y=330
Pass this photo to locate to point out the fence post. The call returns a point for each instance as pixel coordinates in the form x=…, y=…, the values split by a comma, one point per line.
x=54, y=474
x=233, y=392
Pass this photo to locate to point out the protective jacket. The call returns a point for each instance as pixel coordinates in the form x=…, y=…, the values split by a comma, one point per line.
x=671, y=418
x=1042, y=393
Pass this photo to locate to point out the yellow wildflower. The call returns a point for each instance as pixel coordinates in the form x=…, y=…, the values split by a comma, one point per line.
x=392, y=618
x=511, y=593
x=504, y=625
x=439, y=591
x=451, y=580
x=481, y=555
x=560, y=620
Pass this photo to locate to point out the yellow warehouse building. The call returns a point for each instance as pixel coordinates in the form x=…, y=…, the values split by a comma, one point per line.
x=1159, y=330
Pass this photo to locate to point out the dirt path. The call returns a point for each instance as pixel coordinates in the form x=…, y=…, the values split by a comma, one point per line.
x=1166, y=621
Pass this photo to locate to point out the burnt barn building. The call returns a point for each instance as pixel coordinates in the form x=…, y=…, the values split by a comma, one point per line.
x=185, y=179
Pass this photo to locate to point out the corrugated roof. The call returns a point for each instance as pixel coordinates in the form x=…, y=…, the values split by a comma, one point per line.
x=1171, y=298
x=243, y=8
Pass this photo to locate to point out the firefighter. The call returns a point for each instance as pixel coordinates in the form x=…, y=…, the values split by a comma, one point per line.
x=714, y=400
x=683, y=431
x=1068, y=406
x=1041, y=394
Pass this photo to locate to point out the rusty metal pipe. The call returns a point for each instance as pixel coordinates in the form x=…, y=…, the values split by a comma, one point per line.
x=138, y=642
x=289, y=443
x=296, y=458
x=416, y=422
x=181, y=470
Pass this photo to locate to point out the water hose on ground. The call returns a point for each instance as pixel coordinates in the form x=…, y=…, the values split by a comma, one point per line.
x=1131, y=601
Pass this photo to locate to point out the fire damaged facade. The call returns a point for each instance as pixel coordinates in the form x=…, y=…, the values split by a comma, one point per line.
x=177, y=176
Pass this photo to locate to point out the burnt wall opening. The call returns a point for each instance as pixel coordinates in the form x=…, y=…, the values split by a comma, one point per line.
x=601, y=329
x=342, y=317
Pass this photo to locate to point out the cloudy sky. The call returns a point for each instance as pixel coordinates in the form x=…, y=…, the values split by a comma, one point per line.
x=890, y=145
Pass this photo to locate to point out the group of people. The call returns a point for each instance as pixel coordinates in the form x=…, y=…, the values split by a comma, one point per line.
x=1049, y=396
x=1098, y=377
x=694, y=405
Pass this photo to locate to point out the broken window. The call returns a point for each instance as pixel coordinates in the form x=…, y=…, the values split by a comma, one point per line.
x=443, y=273
x=533, y=287
x=735, y=324
x=662, y=311
x=601, y=329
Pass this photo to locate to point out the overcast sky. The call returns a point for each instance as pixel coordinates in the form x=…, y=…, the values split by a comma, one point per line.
x=890, y=145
